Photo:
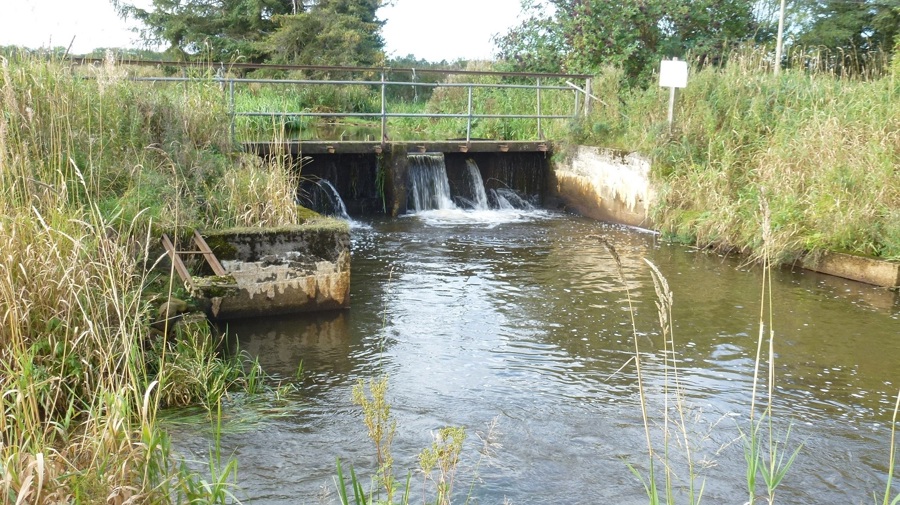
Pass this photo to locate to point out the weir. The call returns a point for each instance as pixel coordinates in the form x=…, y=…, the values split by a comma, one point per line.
x=401, y=182
x=429, y=188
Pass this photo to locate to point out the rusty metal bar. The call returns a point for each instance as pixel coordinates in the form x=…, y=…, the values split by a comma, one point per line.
x=176, y=261
x=207, y=253
x=257, y=66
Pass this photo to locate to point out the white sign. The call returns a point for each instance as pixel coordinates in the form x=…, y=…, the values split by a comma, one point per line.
x=673, y=74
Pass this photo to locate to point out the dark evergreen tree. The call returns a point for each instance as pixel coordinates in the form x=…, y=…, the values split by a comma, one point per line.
x=332, y=32
x=220, y=30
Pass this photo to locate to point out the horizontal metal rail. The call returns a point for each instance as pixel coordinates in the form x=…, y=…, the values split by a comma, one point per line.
x=324, y=68
x=404, y=114
x=349, y=82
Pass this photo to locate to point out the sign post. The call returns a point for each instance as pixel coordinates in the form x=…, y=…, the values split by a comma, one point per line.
x=672, y=74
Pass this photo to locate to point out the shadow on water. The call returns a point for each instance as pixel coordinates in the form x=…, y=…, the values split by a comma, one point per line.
x=527, y=321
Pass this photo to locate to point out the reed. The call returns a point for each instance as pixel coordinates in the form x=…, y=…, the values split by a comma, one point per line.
x=893, y=458
x=674, y=409
x=91, y=166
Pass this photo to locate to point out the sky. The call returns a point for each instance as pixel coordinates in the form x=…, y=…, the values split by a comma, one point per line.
x=431, y=29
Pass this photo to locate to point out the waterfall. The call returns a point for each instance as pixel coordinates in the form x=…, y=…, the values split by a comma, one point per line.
x=336, y=201
x=429, y=188
x=508, y=199
x=321, y=196
x=476, y=185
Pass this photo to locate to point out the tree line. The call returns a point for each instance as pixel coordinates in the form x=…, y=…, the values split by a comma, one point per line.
x=555, y=35
x=584, y=35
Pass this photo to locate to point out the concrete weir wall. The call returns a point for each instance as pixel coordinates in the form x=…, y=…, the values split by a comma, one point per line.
x=614, y=186
x=606, y=185
x=304, y=268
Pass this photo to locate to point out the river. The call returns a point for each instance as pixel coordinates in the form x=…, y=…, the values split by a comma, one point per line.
x=521, y=317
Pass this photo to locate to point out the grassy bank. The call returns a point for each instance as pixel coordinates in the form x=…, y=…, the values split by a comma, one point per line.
x=91, y=167
x=811, y=157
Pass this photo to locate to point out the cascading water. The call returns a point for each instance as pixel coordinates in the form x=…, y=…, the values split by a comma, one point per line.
x=429, y=188
x=338, y=203
x=476, y=185
x=508, y=199
x=324, y=198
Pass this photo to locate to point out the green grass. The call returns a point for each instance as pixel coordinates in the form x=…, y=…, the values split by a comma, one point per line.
x=814, y=152
x=92, y=167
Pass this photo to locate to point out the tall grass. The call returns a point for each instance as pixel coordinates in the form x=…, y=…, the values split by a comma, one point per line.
x=674, y=426
x=90, y=168
x=893, y=458
x=767, y=455
x=819, y=148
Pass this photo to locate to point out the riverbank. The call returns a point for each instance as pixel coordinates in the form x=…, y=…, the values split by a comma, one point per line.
x=92, y=168
x=767, y=165
x=618, y=187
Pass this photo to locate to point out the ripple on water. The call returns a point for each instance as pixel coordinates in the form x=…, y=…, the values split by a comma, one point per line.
x=523, y=317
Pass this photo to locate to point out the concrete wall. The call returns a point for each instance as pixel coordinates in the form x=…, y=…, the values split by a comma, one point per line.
x=279, y=271
x=606, y=185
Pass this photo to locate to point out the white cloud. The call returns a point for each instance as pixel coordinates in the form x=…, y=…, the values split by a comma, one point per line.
x=431, y=29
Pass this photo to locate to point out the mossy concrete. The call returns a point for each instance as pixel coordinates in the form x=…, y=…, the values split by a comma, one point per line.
x=854, y=267
x=303, y=268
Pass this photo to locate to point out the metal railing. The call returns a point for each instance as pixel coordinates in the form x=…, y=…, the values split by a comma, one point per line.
x=581, y=97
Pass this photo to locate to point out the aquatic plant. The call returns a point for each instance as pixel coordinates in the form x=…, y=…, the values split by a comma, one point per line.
x=672, y=391
x=381, y=427
x=443, y=455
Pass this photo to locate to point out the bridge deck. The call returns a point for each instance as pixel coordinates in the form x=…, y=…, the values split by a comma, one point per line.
x=305, y=147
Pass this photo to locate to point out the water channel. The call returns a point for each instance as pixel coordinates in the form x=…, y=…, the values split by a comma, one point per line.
x=521, y=317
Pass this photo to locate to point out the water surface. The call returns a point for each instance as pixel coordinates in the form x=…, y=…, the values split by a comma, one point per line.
x=522, y=318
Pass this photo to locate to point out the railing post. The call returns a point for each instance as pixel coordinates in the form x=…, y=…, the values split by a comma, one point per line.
x=231, y=109
x=577, y=110
x=540, y=130
x=588, y=83
x=383, y=112
x=469, y=119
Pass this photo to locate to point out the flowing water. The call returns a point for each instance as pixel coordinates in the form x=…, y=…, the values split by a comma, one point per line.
x=520, y=317
x=321, y=196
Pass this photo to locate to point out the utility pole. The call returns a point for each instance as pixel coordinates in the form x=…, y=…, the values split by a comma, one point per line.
x=780, y=42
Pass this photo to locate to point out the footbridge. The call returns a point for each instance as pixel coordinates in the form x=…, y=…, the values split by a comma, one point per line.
x=361, y=128
x=413, y=110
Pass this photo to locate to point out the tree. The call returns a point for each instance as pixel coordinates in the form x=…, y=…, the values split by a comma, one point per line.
x=537, y=44
x=850, y=25
x=332, y=32
x=223, y=30
x=584, y=35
